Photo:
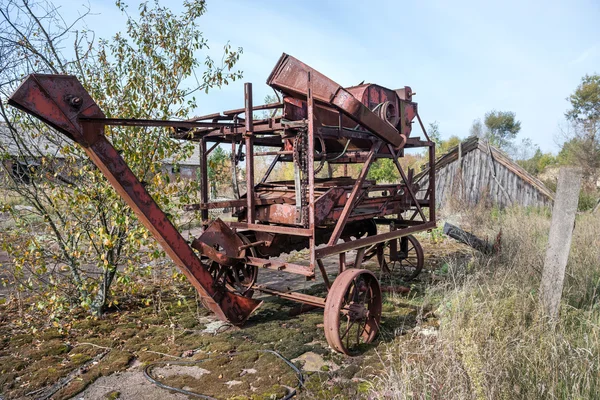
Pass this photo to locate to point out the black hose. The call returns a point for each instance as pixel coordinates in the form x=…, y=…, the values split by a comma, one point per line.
x=148, y=375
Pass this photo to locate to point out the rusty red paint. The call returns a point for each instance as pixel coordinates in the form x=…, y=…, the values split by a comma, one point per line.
x=358, y=124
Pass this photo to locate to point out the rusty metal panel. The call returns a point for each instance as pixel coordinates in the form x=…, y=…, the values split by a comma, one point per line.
x=291, y=77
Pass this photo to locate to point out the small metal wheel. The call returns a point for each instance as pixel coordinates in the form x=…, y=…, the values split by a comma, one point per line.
x=409, y=260
x=352, y=311
x=240, y=277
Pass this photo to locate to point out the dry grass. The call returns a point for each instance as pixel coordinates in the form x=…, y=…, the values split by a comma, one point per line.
x=492, y=342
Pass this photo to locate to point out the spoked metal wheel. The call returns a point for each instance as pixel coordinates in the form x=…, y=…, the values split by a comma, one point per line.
x=352, y=311
x=401, y=258
x=240, y=278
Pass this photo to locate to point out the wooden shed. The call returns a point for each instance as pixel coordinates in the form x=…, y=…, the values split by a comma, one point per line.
x=475, y=171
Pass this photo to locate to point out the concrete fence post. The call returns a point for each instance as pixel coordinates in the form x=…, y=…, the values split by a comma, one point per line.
x=559, y=241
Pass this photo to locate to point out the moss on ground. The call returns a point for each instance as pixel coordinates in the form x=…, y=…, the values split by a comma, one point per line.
x=30, y=361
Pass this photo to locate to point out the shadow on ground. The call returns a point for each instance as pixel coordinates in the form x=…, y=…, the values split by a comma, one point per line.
x=104, y=358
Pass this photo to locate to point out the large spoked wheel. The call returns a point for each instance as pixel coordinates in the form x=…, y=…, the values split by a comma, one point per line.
x=352, y=311
x=409, y=260
x=241, y=277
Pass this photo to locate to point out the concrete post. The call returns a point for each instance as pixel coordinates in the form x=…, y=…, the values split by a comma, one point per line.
x=559, y=243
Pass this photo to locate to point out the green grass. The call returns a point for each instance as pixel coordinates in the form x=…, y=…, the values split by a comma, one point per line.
x=493, y=342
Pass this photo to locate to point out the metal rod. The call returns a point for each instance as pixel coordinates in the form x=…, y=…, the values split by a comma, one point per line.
x=298, y=297
x=281, y=266
x=311, y=170
x=423, y=127
x=155, y=122
x=249, y=153
x=324, y=273
x=204, y=178
x=274, y=153
x=288, y=230
x=268, y=106
x=211, y=149
x=369, y=240
x=247, y=246
x=348, y=207
x=270, y=169
x=408, y=186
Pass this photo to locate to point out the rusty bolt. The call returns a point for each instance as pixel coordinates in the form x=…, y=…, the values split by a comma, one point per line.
x=76, y=101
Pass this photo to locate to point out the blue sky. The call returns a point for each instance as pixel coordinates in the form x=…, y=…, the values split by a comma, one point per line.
x=463, y=58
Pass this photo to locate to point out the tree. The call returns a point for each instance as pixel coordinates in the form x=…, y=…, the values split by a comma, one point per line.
x=76, y=231
x=219, y=170
x=434, y=133
x=582, y=147
x=448, y=144
x=384, y=170
x=477, y=129
x=501, y=127
x=537, y=163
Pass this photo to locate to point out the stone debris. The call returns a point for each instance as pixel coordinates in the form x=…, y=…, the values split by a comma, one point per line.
x=247, y=371
x=173, y=370
x=314, y=362
x=216, y=327
x=230, y=384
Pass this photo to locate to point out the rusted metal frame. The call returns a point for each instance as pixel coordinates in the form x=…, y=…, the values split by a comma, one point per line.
x=353, y=157
x=253, y=244
x=288, y=76
x=268, y=106
x=355, y=191
x=335, y=133
x=227, y=114
x=408, y=186
x=360, y=113
x=281, y=266
x=213, y=254
x=224, y=134
x=423, y=127
x=311, y=170
x=323, y=273
x=225, y=305
x=287, y=230
x=273, y=153
x=431, y=188
x=213, y=116
x=416, y=142
x=370, y=240
x=263, y=128
x=274, y=141
x=203, y=178
x=154, y=122
x=211, y=149
x=294, y=296
x=396, y=221
x=271, y=166
x=360, y=254
x=234, y=181
x=235, y=203
x=250, y=211
x=342, y=262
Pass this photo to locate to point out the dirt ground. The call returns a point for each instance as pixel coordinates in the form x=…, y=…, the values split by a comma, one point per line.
x=110, y=354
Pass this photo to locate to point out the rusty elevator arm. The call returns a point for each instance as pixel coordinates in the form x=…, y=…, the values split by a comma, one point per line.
x=63, y=103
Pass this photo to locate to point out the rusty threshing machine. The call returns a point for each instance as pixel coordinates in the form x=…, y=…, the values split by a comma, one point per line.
x=317, y=122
